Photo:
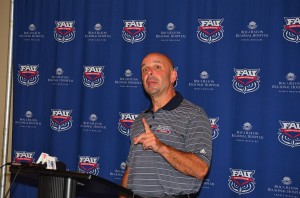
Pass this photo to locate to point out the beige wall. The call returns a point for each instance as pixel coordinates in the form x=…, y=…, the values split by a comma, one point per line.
x=4, y=36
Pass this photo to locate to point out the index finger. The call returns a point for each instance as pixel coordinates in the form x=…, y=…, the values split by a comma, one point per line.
x=146, y=126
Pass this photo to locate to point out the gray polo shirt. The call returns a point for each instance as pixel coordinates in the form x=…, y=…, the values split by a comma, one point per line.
x=179, y=124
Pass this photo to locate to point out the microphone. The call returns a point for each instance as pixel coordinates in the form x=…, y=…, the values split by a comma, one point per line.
x=61, y=166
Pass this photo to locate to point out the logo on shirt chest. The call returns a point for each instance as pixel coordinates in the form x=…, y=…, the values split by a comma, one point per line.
x=163, y=129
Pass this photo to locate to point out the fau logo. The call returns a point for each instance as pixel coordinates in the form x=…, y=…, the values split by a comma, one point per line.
x=163, y=129
x=64, y=31
x=291, y=31
x=88, y=165
x=210, y=30
x=93, y=76
x=241, y=181
x=23, y=157
x=126, y=122
x=214, y=127
x=28, y=75
x=289, y=133
x=246, y=80
x=61, y=120
x=134, y=31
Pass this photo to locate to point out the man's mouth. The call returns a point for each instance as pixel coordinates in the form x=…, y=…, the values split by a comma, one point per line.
x=151, y=82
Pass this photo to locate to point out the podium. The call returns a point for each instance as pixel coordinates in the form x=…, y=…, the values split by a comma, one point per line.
x=68, y=184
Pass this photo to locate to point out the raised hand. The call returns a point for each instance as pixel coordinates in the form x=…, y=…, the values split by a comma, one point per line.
x=148, y=138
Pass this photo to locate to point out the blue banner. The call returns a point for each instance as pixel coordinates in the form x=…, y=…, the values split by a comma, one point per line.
x=77, y=85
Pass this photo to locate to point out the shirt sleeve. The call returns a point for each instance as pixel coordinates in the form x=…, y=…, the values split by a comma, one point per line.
x=199, y=136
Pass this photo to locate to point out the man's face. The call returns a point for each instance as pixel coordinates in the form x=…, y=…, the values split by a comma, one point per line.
x=158, y=75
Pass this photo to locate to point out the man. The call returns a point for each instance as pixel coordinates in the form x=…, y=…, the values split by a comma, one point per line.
x=171, y=142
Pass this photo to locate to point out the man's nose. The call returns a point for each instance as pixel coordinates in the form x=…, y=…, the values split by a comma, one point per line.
x=150, y=71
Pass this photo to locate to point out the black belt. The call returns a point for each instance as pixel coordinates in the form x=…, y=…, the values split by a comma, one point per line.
x=184, y=196
x=181, y=196
x=178, y=196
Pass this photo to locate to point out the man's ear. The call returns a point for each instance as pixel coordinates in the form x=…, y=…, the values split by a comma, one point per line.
x=173, y=76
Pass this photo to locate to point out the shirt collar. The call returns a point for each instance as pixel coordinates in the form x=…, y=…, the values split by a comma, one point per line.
x=172, y=104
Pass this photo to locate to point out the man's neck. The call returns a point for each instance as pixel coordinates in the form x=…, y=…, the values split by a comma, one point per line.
x=159, y=101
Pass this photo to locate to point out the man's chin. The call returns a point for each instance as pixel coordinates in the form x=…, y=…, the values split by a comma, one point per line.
x=152, y=92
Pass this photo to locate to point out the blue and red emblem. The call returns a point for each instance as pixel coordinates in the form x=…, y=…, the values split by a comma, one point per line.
x=134, y=31
x=210, y=30
x=64, y=31
x=23, y=157
x=125, y=122
x=241, y=181
x=28, y=75
x=214, y=127
x=289, y=133
x=291, y=30
x=246, y=80
x=89, y=165
x=61, y=120
x=93, y=76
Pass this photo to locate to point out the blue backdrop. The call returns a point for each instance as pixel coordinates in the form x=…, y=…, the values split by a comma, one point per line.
x=77, y=85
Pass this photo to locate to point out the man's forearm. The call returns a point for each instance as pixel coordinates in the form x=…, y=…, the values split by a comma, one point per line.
x=186, y=163
x=125, y=178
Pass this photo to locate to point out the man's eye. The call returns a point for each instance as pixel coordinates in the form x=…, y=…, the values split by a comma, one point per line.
x=144, y=69
x=157, y=66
